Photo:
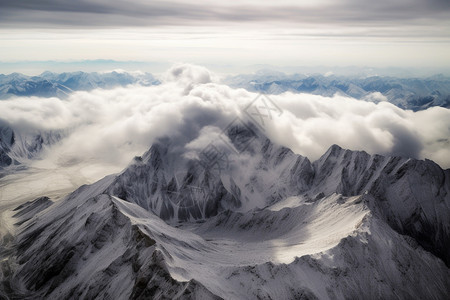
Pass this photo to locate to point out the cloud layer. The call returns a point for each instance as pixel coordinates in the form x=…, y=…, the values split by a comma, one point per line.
x=112, y=126
x=145, y=13
x=381, y=33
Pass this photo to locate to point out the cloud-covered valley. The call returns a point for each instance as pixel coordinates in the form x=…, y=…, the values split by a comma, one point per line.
x=112, y=126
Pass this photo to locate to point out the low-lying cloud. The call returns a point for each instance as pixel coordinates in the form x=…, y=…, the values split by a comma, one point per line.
x=112, y=126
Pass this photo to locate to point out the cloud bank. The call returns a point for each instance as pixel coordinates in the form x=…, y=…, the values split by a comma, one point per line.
x=381, y=33
x=112, y=126
x=99, y=13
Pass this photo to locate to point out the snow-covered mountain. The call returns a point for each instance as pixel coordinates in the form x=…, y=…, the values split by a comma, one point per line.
x=406, y=93
x=17, y=147
x=50, y=84
x=255, y=221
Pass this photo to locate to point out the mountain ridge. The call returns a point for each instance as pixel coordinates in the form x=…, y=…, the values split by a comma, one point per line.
x=407, y=93
x=61, y=85
x=271, y=224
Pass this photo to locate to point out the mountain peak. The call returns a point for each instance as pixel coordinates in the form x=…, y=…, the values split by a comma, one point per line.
x=333, y=151
x=335, y=148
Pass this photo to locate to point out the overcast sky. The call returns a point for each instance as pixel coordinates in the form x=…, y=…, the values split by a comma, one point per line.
x=401, y=33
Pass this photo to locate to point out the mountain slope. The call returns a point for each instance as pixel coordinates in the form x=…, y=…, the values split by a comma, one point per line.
x=267, y=224
x=93, y=249
x=413, y=196
x=16, y=147
x=332, y=248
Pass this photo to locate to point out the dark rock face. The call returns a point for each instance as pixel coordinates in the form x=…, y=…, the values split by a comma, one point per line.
x=5, y=160
x=153, y=281
x=150, y=184
x=416, y=194
x=27, y=210
x=411, y=194
x=7, y=140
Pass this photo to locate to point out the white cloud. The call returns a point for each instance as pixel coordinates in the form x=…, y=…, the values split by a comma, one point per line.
x=317, y=122
x=112, y=126
x=375, y=97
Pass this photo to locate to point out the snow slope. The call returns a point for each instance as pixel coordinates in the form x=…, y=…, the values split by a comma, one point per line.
x=412, y=196
x=94, y=245
x=271, y=225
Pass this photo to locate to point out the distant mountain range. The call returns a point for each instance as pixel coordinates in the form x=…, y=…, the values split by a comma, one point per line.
x=406, y=93
x=50, y=84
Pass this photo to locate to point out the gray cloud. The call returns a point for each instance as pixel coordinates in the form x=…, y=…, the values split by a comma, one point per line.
x=102, y=13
